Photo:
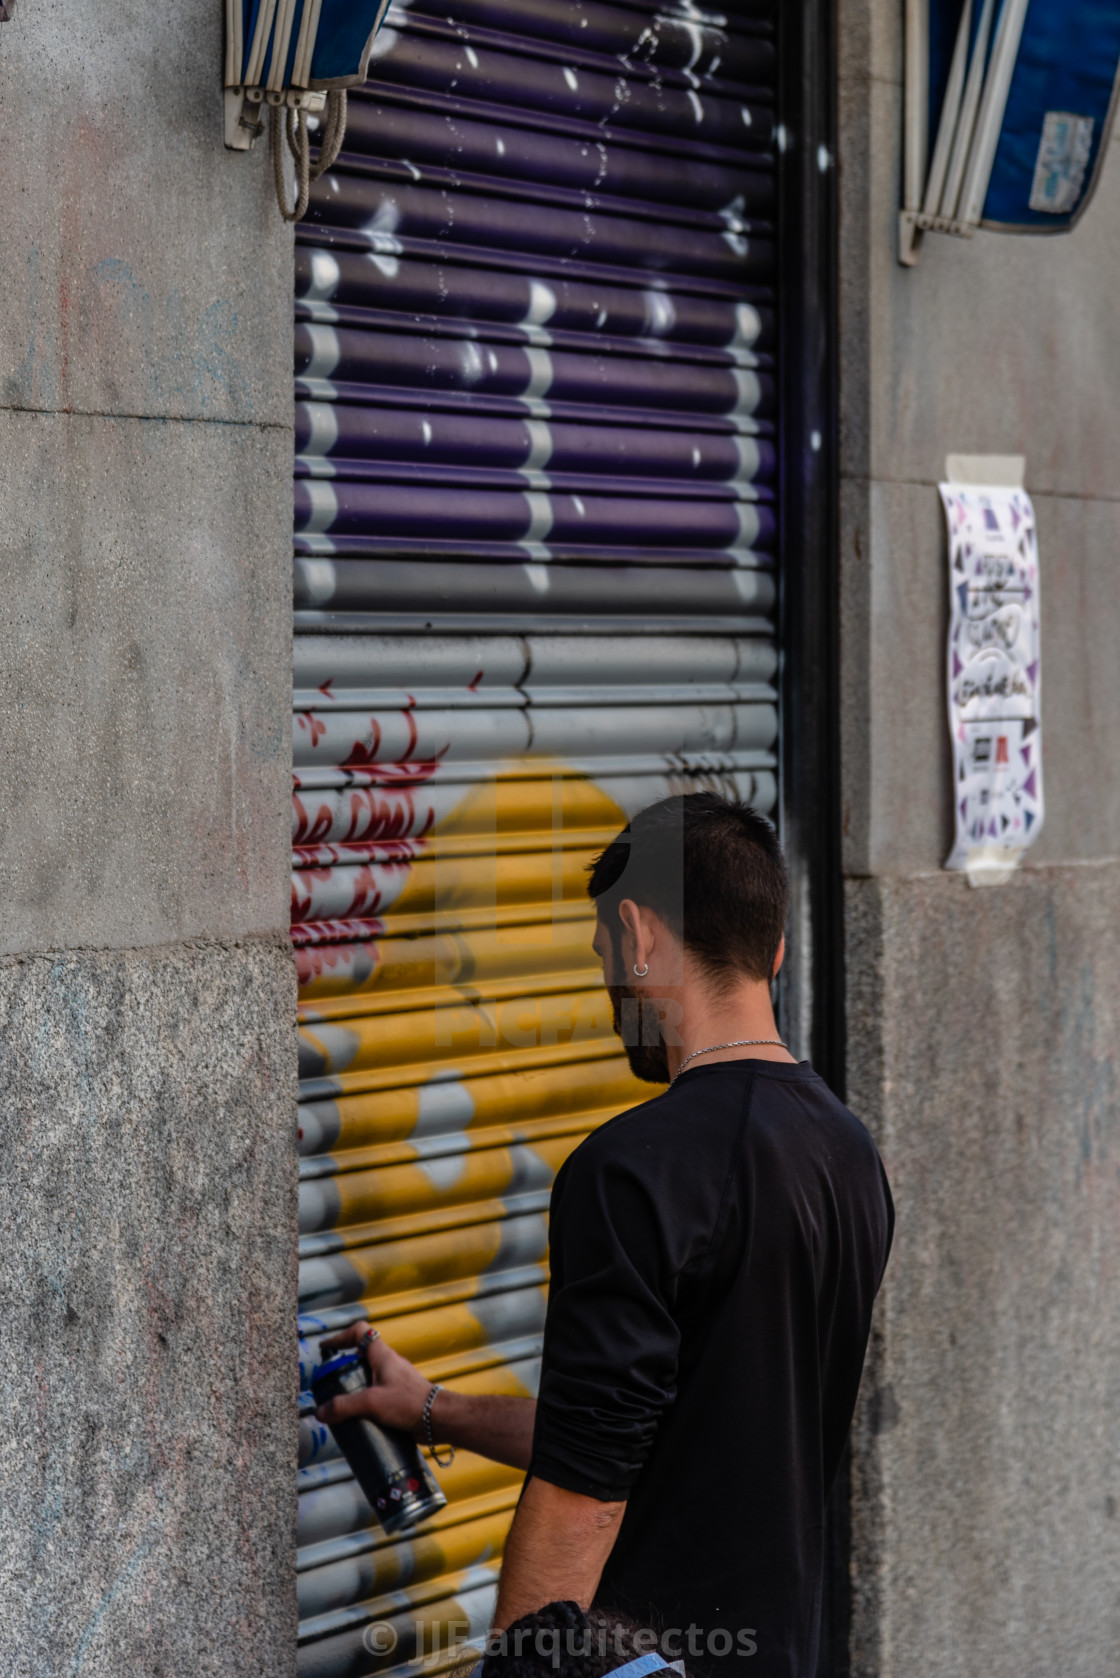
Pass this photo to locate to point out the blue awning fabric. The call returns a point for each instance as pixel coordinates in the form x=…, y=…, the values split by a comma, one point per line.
x=310, y=44
x=1057, y=116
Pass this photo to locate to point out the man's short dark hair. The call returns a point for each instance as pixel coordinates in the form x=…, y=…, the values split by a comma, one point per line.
x=712, y=869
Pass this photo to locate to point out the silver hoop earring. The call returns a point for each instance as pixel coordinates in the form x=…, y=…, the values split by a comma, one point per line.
x=640, y=972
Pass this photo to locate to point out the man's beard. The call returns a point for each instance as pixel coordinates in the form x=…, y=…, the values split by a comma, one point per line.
x=636, y=1023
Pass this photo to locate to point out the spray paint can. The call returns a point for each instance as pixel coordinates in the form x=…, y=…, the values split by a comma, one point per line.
x=386, y=1463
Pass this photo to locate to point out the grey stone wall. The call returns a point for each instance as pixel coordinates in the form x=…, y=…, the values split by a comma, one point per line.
x=983, y=1028
x=145, y=1311
x=147, y=994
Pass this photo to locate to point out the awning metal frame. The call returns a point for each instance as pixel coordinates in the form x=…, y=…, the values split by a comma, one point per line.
x=946, y=194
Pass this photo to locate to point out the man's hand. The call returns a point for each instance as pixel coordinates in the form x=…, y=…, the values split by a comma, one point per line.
x=556, y=1550
x=496, y=1425
x=397, y=1392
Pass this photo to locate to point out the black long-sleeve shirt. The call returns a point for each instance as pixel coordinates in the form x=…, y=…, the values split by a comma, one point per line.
x=715, y=1255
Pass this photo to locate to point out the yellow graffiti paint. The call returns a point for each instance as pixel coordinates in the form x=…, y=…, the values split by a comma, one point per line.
x=503, y=1501
x=533, y=801
x=469, y=1476
x=445, y=885
x=392, y=1191
x=445, y=1256
x=493, y=1136
x=483, y=1103
x=479, y=1016
x=502, y=1380
x=439, y=1219
x=471, y=959
x=459, y=1032
x=377, y=1306
x=488, y=1359
x=412, y=1562
x=446, y=1332
x=479, y=918
x=422, y=1626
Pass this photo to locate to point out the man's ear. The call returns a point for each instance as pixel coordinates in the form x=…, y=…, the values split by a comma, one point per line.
x=778, y=960
x=630, y=919
x=639, y=932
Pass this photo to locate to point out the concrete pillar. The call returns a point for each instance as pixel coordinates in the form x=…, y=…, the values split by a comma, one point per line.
x=147, y=1064
x=984, y=1026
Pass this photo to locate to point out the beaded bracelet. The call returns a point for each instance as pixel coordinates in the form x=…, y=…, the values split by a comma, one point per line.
x=426, y=1418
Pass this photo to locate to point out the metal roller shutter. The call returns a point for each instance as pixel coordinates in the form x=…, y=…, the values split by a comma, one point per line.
x=535, y=550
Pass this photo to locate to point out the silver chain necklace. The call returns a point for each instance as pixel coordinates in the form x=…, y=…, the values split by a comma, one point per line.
x=740, y=1043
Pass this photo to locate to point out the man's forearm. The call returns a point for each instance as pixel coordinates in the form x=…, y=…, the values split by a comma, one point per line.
x=496, y=1425
x=556, y=1550
x=493, y=1424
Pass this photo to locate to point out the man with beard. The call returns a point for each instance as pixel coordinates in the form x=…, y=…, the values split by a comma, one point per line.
x=715, y=1253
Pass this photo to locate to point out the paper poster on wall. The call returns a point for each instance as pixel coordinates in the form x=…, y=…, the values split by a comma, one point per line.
x=993, y=677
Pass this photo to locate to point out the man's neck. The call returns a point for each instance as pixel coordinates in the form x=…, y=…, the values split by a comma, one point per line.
x=738, y=1023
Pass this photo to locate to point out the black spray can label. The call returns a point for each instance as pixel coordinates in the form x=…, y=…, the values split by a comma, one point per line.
x=386, y=1463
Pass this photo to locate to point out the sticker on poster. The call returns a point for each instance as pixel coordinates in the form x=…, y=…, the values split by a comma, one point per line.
x=994, y=715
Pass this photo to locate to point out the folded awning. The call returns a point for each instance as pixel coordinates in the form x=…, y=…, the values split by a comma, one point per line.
x=1009, y=104
x=313, y=44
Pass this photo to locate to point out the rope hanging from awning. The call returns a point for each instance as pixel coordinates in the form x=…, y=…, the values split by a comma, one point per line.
x=293, y=126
